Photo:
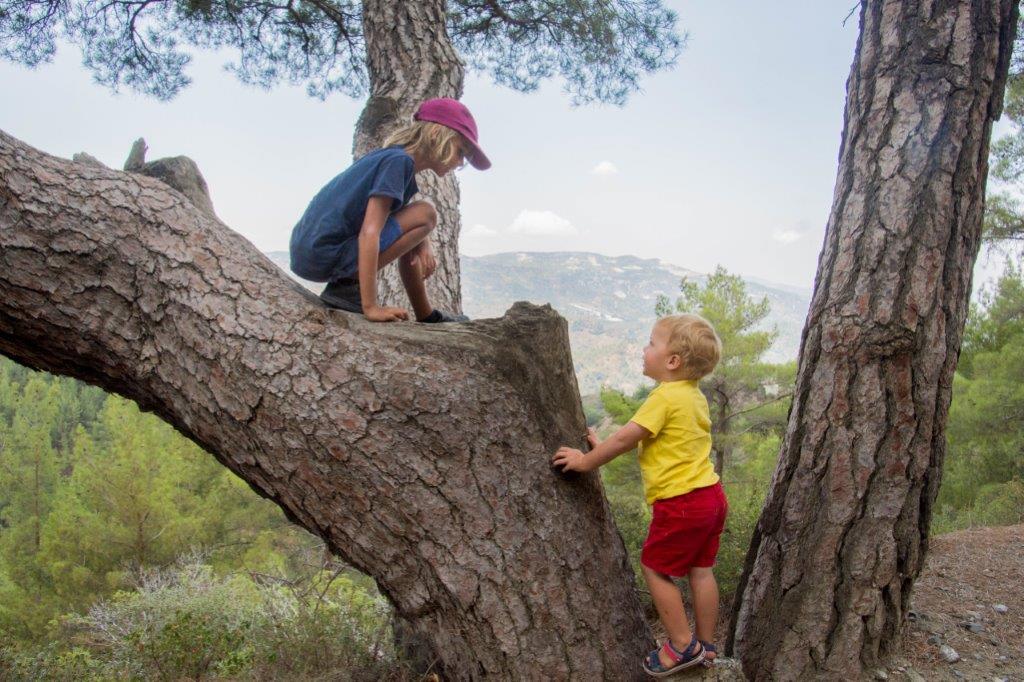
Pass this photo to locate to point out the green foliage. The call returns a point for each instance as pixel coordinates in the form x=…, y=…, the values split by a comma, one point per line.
x=984, y=469
x=186, y=623
x=92, y=490
x=620, y=407
x=599, y=47
x=746, y=490
x=625, y=491
x=95, y=494
x=1004, y=219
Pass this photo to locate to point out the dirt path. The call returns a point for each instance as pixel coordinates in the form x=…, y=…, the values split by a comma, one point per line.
x=969, y=578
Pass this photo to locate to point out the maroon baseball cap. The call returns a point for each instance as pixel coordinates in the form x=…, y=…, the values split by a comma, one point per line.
x=453, y=114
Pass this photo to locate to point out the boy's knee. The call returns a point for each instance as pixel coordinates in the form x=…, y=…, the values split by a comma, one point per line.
x=700, y=574
x=425, y=213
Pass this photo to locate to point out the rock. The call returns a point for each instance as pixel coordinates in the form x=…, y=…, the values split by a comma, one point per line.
x=957, y=674
x=914, y=676
x=1000, y=608
x=935, y=640
x=972, y=615
x=971, y=626
x=724, y=670
x=949, y=654
x=881, y=675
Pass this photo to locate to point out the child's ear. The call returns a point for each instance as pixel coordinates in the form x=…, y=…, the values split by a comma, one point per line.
x=674, y=362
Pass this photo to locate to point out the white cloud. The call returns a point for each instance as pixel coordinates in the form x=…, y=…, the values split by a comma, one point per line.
x=604, y=168
x=542, y=223
x=786, y=236
x=478, y=230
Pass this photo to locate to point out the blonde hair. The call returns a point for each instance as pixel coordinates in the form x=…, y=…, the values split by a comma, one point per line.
x=428, y=139
x=694, y=340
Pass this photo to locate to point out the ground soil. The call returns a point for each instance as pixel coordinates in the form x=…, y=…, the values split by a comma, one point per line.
x=967, y=575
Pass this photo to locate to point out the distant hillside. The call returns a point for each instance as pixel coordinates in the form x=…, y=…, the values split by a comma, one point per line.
x=608, y=301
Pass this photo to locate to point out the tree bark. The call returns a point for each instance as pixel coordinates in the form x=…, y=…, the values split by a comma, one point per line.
x=844, y=531
x=409, y=59
x=419, y=454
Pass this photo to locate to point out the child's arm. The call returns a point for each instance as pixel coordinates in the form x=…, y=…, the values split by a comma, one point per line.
x=623, y=440
x=377, y=209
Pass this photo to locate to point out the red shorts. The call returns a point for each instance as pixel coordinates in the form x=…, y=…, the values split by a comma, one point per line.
x=685, y=530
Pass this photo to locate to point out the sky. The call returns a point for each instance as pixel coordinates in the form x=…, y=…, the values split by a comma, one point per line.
x=728, y=158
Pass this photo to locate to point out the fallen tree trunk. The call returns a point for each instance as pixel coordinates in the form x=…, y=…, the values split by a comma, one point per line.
x=844, y=531
x=418, y=453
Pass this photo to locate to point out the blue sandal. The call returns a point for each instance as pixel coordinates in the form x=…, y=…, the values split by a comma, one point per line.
x=681, y=660
x=709, y=648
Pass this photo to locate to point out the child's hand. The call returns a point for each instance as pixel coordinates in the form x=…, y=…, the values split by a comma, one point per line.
x=428, y=262
x=592, y=440
x=570, y=459
x=385, y=314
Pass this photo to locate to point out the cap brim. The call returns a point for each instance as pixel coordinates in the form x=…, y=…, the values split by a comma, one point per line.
x=477, y=158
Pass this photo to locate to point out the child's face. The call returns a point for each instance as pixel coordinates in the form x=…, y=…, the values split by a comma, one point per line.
x=659, y=361
x=443, y=168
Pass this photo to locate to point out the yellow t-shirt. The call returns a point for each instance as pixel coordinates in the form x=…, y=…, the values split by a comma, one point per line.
x=675, y=459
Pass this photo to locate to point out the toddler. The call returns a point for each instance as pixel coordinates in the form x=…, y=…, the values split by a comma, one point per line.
x=673, y=428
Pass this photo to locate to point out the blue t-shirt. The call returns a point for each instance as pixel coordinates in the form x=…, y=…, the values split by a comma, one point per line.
x=325, y=241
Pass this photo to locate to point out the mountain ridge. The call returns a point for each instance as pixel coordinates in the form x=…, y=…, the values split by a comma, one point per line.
x=608, y=302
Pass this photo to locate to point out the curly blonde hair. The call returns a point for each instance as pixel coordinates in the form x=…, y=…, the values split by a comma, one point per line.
x=428, y=139
x=694, y=340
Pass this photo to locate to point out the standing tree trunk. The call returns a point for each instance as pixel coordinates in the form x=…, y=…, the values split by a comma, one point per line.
x=418, y=453
x=409, y=59
x=844, y=531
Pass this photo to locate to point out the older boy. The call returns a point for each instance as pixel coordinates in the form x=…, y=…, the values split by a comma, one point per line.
x=673, y=427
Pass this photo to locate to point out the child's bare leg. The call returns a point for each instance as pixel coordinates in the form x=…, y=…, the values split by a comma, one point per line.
x=417, y=221
x=704, y=589
x=415, y=285
x=669, y=602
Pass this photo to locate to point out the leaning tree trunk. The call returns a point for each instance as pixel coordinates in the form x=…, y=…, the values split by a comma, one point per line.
x=409, y=59
x=418, y=453
x=844, y=531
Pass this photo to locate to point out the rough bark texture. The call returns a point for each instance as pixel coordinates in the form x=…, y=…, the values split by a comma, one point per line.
x=845, y=528
x=409, y=59
x=419, y=453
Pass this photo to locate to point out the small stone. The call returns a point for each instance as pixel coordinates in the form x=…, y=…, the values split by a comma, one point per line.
x=1000, y=608
x=971, y=626
x=881, y=674
x=957, y=674
x=914, y=676
x=935, y=640
x=949, y=654
x=1000, y=679
x=972, y=615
